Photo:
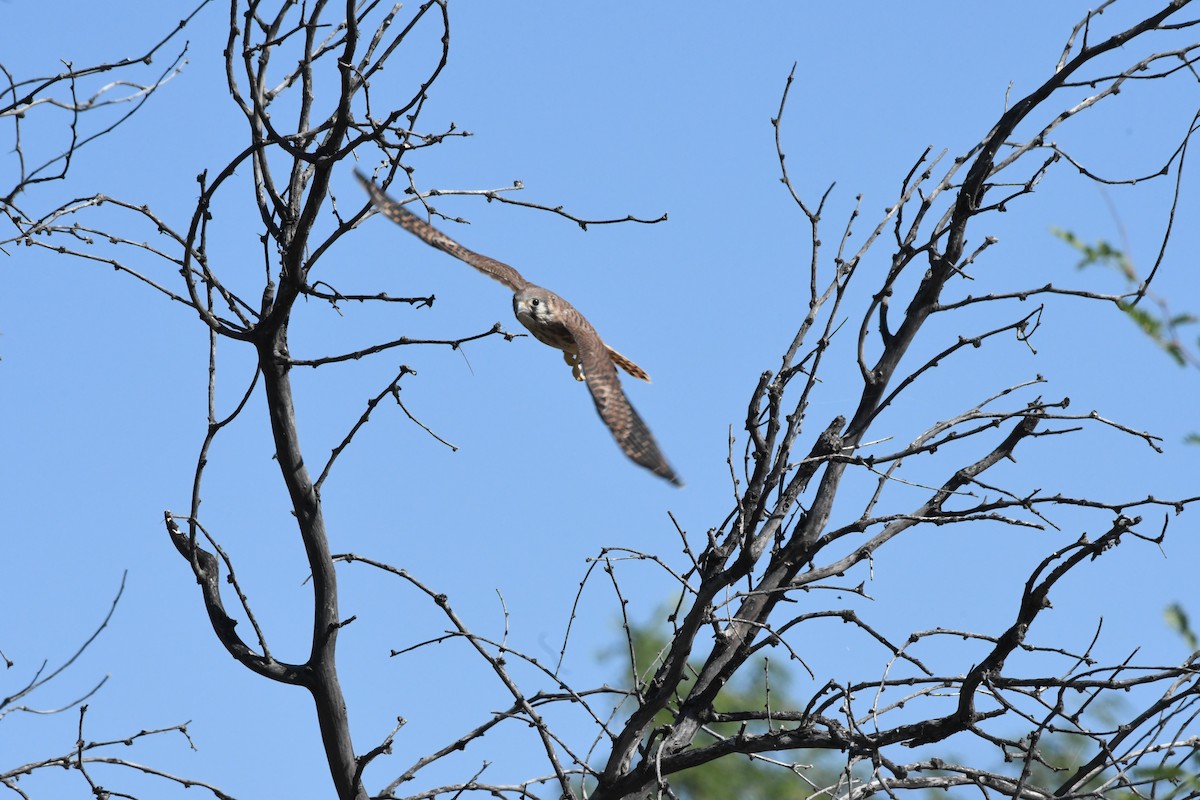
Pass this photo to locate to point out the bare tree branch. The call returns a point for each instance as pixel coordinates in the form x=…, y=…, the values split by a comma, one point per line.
x=814, y=504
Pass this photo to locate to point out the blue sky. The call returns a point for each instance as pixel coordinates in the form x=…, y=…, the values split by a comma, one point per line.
x=608, y=110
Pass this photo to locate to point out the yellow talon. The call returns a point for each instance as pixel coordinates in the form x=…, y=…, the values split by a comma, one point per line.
x=572, y=360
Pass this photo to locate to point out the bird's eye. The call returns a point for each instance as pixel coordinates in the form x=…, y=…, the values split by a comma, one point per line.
x=535, y=302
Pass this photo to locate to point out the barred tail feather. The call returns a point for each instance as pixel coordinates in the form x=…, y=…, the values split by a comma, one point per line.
x=627, y=365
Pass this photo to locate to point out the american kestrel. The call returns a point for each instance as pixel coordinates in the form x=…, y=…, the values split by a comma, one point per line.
x=553, y=321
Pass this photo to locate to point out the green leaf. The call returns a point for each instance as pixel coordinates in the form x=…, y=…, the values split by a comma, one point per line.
x=1177, y=618
x=1153, y=327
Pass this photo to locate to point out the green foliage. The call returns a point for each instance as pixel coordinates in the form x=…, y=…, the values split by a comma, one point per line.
x=1101, y=253
x=737, y=776
x=1063, y=753
x=796, y=775
x=1184, y=780
x=1154, y=319
x=1177, y=618
x=1157, y=322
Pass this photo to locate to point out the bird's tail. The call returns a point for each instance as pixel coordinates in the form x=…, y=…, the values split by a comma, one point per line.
x=627, y=365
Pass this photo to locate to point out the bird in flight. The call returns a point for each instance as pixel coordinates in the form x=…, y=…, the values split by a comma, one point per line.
x=553, y=321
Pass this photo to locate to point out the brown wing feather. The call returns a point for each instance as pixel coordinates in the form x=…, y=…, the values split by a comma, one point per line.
x=435, y=238
x=614, y=407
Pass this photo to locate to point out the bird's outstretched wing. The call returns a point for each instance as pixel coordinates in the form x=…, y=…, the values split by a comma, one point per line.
x=614, y=407
x=595, y=357
x=435, y=238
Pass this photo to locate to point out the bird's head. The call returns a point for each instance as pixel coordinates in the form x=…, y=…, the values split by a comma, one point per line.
x=535, y=306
